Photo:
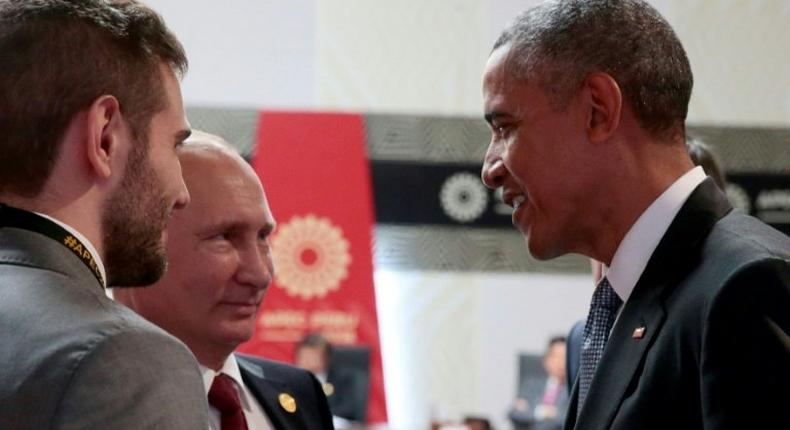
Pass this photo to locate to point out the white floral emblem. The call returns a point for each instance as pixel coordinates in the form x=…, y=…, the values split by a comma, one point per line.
x=463, y=197
x=311, y=256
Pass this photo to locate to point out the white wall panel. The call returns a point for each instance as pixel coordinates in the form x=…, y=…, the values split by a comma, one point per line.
x=426, y=56
x=450, y=340
x=739, y=56
x=410, y=56
x=246, y=53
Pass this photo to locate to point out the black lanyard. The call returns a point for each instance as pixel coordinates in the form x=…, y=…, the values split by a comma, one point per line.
x=18, y=218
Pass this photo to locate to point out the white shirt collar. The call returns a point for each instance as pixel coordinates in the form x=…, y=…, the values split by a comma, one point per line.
x=230, y=367
x=253, y=411
x=85, y=241
x=640, y=242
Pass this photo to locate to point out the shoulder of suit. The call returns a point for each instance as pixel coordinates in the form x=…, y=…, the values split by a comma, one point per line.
x=746, y=237
x=271, y=367
x=118, y=331
x=81, y=317
x=739, y=250
x=34, y=250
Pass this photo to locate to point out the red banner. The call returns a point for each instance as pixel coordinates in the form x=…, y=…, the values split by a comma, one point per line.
x=316, y=175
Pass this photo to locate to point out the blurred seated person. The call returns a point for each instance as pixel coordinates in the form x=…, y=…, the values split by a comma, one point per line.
x=543, y=401
x=477, y=423
x=468, y=423
x=345, y=392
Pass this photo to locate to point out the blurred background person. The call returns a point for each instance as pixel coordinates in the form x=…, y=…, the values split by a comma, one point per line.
x=703, y=155
x=543, y=400
x=470, y=422
x=477, y=423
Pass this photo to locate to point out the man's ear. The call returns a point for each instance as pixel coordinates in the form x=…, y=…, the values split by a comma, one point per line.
x=604, y=102
x=106, y=130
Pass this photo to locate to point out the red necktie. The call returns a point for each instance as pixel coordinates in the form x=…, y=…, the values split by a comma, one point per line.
x=224, y=397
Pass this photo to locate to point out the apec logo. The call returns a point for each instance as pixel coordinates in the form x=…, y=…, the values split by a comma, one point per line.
x=464, y=199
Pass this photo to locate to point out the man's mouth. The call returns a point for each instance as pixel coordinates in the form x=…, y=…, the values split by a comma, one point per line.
x=514, y=198
x=518, y=200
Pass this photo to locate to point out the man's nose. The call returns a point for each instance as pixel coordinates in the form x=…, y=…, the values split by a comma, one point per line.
x=182, y=197
x=256, y=267
x=493, y=173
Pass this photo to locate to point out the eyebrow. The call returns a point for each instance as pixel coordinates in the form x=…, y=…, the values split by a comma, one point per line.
x=231, y=225
x=491, y=116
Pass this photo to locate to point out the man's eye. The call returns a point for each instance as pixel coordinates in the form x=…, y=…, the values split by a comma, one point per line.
x=220, y=236
x=500, y=129
x=263, y=237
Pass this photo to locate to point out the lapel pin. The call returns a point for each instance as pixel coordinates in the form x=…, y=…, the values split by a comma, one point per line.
x=287, y=402
x=329, y=389
x=639, y=332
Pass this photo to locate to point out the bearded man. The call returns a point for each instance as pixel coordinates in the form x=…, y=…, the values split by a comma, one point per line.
x=92, y=116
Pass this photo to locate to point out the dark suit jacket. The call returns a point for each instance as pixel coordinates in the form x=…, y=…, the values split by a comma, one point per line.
x=573, y=354
x=349, y=399
x=268, y=379
x=71, y=358
x=715, y=303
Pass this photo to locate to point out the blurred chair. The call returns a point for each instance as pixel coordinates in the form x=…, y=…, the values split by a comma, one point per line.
x=348, y=382
x=530, y=366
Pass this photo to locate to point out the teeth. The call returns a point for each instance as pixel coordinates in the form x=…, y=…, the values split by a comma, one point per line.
x=518, y=200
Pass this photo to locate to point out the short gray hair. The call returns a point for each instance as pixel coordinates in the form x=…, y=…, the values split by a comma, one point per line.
x=557, y=44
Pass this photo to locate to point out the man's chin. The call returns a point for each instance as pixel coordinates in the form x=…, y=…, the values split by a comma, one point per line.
x=539, y=250
x=142, y=273
x=235, y=336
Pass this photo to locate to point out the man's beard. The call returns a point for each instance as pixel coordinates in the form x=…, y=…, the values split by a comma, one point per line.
x=132, y=224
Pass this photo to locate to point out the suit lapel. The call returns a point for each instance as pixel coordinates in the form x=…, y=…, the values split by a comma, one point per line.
x=622, y=356
x=676, y=254
x=570, y=416
x=267, y=391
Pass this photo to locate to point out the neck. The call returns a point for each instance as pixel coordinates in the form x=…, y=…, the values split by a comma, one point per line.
x=633, y=182
x=72, y=199
x=212, y=357
x=78, y=214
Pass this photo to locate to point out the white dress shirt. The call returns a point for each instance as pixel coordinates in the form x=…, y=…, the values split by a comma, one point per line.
x=253, y=411
x=640, y=242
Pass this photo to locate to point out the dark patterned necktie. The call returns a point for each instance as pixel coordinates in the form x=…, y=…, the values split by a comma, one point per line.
x=224, y=398
x=603, y=311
